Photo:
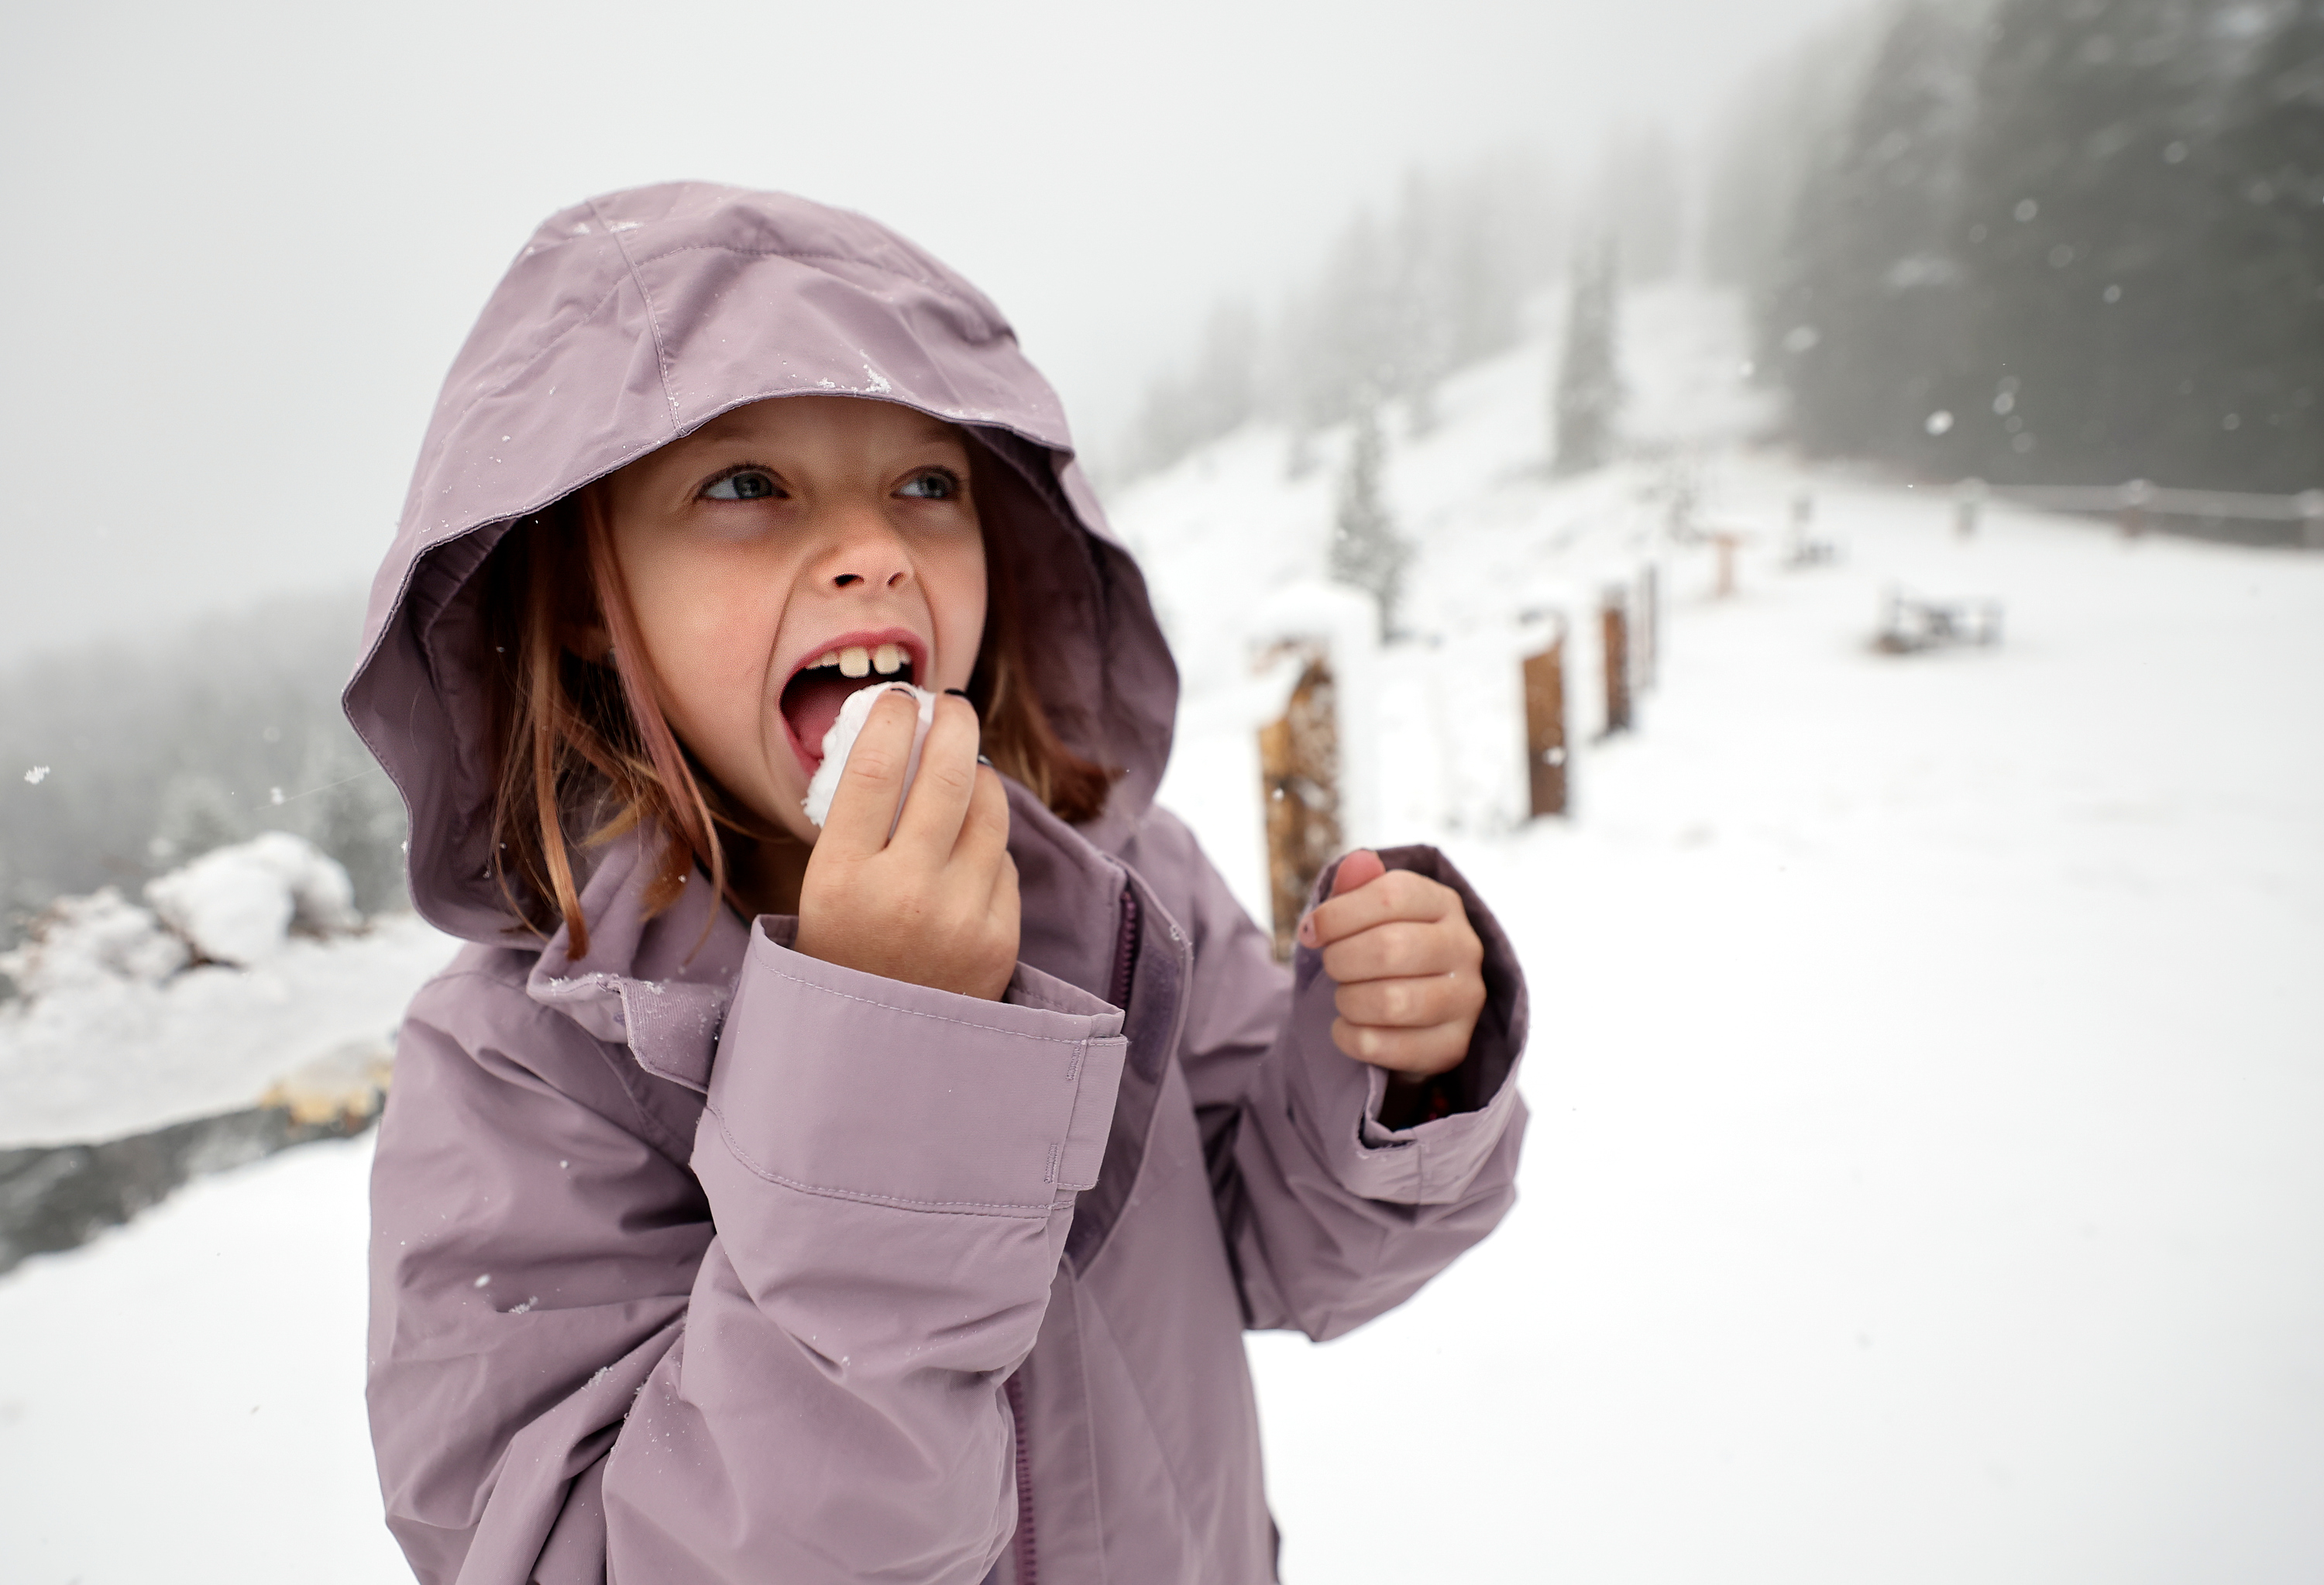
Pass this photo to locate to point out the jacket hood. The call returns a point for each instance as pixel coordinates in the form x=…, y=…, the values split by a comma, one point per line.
x=627, y=322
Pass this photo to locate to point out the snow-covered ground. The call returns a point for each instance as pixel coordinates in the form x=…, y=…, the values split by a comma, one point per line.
x=1923, y=1180
x=182, y=1400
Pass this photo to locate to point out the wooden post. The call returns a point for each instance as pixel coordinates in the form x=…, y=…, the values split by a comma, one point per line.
x=1544, y=712
x=1726, y=543
x=2136, y=496
x=1968, y=500
x=1299, y=773
x=1614, y=622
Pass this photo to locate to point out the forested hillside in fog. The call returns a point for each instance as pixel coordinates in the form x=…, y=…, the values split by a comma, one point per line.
x=125, y=760
x=2070, y=241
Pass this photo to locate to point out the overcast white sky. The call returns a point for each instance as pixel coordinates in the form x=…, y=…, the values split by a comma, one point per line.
x=248, y=237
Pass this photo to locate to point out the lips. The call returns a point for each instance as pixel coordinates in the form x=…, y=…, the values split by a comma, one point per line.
x=825, y=676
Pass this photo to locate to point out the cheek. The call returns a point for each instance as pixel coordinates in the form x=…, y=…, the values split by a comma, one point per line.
x=707, y=633
x=956, y=590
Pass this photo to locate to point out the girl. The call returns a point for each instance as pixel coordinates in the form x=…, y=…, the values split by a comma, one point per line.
x=765, y=1203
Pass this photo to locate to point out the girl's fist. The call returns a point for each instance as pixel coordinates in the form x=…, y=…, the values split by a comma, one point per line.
x=1408, y=966
x=935, y=905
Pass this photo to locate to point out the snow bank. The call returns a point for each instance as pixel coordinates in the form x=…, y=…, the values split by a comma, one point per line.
x=94, y=941
x=239, y=904
x=182, y=1399
x=253, y=975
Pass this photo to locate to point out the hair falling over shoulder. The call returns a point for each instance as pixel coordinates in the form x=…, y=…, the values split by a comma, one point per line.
x=584, y=754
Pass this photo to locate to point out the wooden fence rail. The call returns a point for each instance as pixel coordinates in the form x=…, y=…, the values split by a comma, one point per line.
x=2137, y=503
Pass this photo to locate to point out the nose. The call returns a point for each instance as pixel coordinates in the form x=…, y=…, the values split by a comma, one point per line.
x=866, y=552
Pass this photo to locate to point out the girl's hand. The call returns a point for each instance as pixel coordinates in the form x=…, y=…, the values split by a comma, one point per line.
x=1408, y=964
x=937, y=905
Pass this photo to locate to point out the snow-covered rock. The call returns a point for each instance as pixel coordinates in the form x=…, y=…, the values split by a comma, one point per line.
x=239, y=904
x=245, y=985
x=83, y=941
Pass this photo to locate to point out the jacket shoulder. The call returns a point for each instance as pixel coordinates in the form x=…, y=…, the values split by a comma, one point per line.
x=482, y=1013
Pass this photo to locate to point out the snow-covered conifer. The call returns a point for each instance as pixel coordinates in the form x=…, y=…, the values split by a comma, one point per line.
x=1367, y=552
x=1589, y=391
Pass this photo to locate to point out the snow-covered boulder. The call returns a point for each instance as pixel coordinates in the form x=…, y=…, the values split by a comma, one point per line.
x=239, y=904
x=81, y=941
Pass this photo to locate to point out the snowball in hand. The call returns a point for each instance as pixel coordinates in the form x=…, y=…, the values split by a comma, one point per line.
x=840, y=741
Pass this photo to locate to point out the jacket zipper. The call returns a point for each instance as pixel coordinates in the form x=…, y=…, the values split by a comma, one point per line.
x=1125, y=960
x=1125, y=952
x=1016, y=1389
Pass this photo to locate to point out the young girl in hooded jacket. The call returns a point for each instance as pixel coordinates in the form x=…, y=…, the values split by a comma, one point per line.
x=758, y=1202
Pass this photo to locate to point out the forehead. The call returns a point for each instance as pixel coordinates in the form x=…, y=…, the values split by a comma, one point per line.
x=856, y=419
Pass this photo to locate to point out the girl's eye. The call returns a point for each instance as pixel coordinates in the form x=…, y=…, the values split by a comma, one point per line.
x=934, y=485
x=748, y=484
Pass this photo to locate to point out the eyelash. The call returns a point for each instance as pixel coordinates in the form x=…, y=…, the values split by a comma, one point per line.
x=952, y=483
x=736, y=472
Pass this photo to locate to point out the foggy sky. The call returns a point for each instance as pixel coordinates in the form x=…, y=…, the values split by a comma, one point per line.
x=245, y=239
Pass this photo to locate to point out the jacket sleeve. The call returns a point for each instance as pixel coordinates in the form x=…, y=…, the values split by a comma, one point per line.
x=1330, y=1217
x=775, y=1354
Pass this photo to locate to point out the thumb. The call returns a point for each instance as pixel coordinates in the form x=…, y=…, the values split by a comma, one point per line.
x=1360, y=868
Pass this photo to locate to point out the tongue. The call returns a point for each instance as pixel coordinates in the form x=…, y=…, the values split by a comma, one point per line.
x=811, y=704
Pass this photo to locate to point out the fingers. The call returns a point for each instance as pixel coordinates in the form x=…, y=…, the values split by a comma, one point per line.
x=1403, y=947
x=983, y=839
x=864, y=805
x=1407, y=965
x=1390, y=894
x=1416, y=1052
x=939, y=798
x=1412, y=1003
x=1004, y=906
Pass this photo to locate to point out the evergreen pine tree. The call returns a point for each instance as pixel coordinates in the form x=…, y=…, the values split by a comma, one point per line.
x=1588, y=391
x=2264, y=258
x=1866, y=319
x=1366, y=550
x=1640, y=202
x=2092, y=347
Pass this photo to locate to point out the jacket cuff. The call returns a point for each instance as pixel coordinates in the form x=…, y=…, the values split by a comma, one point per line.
x=1433, y=1162
x=834, y=1082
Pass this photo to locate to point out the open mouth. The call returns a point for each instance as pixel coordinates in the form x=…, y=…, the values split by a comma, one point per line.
x=812, y=699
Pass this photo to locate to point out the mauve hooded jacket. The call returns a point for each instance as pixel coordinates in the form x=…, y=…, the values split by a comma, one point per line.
x=698, y=1259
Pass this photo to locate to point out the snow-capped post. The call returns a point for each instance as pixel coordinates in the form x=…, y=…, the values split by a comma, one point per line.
x=1319, y=643
x=1614, y=624
x=1544, y=714
x=1367, y=552
x=2311, y=519
x=1968, y=500
x=1299, y=771
x=2136, y=497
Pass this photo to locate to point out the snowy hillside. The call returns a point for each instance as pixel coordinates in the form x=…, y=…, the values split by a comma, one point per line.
x=1922, y=1181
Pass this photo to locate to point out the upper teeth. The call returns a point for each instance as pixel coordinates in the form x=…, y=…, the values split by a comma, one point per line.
x=856, y=660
